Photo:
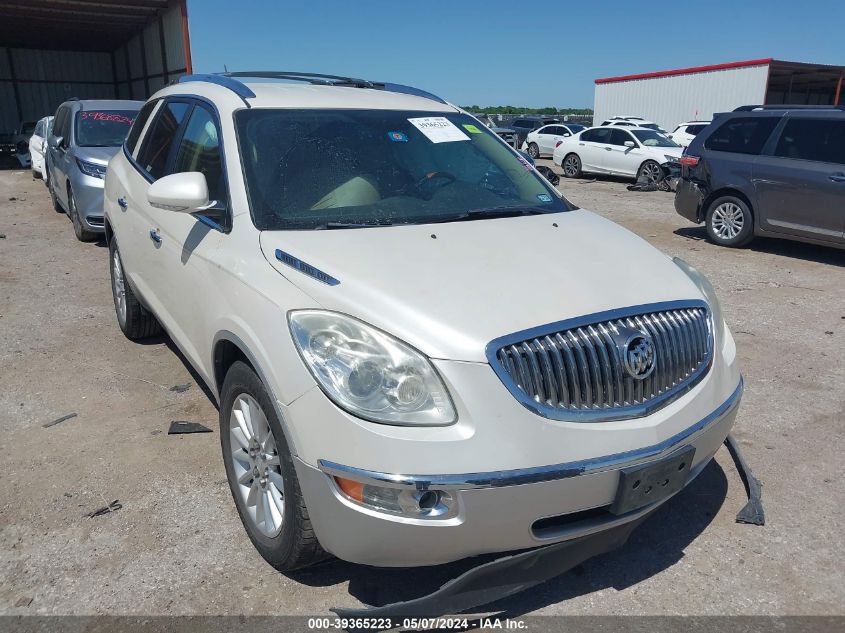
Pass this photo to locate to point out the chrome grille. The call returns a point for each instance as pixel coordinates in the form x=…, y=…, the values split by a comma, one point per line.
x=576, y=370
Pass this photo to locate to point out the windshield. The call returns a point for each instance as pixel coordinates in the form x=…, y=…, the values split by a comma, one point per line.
x=575, y=127
x=653, y=139
x=308, y=169
x=652, y=126
x=103, y=128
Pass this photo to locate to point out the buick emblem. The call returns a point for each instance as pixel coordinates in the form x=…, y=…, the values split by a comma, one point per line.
x=638, y=356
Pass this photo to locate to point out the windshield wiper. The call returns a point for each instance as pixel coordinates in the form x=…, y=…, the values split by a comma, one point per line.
x=350, y=225
x=492, y=212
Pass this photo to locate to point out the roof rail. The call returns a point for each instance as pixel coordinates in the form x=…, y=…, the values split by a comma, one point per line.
x=786, y=106
x=231, y=81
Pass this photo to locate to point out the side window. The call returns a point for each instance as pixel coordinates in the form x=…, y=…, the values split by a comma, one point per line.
x=601, y=135
x=745, y=135
x=159, y=140
x=695, y=129
x=618, y=137
x=820, y=140
x=61, y=114
x=519, y=123
x=138, y=126
x=546, y=130
x=199, y=151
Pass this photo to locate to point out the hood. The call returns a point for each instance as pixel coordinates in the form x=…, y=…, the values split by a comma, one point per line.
x=450, y=295
x=101, y=155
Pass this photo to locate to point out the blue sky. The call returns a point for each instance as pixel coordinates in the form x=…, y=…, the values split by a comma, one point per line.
x=507, y=53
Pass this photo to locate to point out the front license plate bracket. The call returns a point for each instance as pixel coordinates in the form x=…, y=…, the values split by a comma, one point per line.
x=649, y=483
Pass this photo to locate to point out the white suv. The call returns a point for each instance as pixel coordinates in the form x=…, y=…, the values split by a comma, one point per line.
x=420, y=350
x=685, y=132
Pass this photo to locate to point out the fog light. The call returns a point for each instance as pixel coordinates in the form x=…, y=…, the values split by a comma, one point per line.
x=418, y=504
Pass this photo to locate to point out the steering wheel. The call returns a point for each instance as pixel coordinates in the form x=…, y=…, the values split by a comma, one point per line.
x=427, y=180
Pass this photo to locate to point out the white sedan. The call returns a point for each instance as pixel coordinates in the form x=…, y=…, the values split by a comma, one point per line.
x=37, y=147
x=630, y=152
x=542, y=142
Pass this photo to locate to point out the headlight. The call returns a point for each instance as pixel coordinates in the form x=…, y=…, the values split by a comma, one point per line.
x=669, y=158
x=91, y=169
x=370, y=373
x=706, y=288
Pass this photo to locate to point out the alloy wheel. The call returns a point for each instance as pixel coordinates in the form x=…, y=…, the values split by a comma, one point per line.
x=651, y=171
x=570, y=166
x=256, y=465
x=728, y=220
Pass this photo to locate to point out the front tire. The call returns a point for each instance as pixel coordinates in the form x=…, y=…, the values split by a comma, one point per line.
x=262, y=476
x=571, y=165
x=729, y=222
x=82, y=234
x=533, y=150
x=135, y=321
x=650, y=171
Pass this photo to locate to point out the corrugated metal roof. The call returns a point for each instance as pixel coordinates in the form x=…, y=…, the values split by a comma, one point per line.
x=90, y=25
x=687, y=71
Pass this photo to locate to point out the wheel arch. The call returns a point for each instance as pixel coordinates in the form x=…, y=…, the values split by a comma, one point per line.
x=107, y=228
x=229, y=348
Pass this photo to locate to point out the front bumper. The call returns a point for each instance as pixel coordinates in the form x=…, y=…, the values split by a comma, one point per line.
x=689, y=200
x=497, y=511
x=88, y=194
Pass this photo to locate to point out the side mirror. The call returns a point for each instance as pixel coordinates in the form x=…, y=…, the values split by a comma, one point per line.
x=186, y=192
x=565, y=134
x=527, y=157
x=55, y=141
x=630, y=144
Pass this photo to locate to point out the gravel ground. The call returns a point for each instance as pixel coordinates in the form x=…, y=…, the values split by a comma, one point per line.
x=176, y=546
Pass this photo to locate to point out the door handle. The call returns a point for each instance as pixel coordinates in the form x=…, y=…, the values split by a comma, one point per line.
x=155, y=236
x=608, y=149
x=837, y=177
x=121, y=202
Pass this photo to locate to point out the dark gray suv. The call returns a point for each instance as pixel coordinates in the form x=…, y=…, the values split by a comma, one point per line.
x=772, y=171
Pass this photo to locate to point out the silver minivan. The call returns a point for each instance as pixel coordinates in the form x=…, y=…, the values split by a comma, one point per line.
x=85, y=136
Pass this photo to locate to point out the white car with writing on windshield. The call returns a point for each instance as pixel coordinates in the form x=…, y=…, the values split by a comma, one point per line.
x=617, y=151
x=421, y=352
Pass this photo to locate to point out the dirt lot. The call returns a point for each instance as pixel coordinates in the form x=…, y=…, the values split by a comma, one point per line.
x=176, y=545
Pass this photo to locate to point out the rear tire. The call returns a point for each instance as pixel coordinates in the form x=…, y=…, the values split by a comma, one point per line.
x=571, y=165
x=82, y=234
x=533, y=150
x=282, y=532
x=135, y=321
x=729, y=222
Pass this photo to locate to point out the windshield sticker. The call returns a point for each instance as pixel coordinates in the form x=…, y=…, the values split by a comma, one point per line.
x=544, y=197
x=438, y=129
x=472, y=129
x=397, y=137
x=106, y=116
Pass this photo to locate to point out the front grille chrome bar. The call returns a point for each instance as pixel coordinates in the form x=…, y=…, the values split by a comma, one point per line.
x=577, y=369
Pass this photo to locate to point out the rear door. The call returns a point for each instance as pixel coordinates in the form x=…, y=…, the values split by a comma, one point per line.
x=593, y=147
x=546, y=138
x=144, y=248
x=800, y=179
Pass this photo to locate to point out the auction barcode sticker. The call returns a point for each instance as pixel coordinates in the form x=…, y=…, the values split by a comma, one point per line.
x=438, y=129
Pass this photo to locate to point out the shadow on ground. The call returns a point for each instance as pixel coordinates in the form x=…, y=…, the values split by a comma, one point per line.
x=785, y=248
x=656, y=545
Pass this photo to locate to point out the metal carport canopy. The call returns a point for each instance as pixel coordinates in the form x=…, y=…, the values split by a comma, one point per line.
x=77, y=25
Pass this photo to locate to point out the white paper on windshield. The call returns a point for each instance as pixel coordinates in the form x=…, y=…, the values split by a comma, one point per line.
x=438, y=129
